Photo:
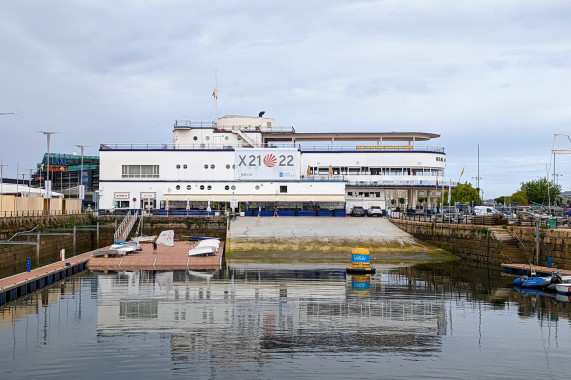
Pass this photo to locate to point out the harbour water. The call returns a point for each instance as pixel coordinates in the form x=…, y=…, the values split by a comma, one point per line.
x=430, y=321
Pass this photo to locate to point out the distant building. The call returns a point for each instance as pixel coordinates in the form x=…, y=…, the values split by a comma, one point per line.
x=65, y=174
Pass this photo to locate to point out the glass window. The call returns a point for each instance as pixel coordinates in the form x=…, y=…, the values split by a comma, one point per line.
x=140, y=171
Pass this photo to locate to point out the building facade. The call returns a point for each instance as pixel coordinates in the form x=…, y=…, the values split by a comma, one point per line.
x=250, y=163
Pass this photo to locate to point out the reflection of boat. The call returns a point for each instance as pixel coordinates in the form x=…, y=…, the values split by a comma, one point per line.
x=563, y=288
x=533, y=292
x=207, y=247
x=203, y=275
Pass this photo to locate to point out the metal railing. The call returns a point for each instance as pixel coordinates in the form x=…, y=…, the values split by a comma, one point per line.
x=27, y=213
x=126, y=224
x=300, y=147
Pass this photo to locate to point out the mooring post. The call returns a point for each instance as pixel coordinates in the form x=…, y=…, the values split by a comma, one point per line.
x=537, y=242
x=74, y=240
x=38, y=250
x=97, y=247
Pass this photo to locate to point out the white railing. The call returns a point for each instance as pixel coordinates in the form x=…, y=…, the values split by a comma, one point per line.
x=126, y=225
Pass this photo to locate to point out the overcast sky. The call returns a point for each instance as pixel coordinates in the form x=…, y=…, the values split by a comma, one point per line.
x=493, y=73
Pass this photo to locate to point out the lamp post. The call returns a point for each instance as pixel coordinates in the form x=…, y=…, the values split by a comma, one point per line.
x=48, y=135
x=2, y=187
x=81, y=194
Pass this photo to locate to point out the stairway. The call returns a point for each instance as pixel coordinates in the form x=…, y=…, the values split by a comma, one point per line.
x=244, y=137
x=509, y=247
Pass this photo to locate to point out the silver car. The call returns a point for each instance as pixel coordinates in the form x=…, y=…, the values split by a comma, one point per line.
x=375, y=211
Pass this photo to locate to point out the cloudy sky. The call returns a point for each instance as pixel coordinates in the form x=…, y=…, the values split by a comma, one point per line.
x=489, y=73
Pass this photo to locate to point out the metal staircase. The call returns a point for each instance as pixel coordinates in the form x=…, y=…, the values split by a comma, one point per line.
x=122, y=232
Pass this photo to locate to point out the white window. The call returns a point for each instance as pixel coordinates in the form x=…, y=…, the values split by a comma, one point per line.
x=140, y=171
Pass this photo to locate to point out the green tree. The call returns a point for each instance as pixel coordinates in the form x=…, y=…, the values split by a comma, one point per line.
x=541, y=190
x=519, y=197
x=500, y=200
x=464, y=193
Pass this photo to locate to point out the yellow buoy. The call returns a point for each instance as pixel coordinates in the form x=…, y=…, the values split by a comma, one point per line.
x=360, y=262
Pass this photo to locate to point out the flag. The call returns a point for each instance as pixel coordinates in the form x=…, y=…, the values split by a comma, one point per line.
x=450, y=193
x=214, y=94
x=461, y=174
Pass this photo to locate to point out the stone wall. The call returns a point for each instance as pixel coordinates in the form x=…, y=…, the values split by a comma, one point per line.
x=553, y=242
x=10, y=225
x=471, y=242
x=13, y=257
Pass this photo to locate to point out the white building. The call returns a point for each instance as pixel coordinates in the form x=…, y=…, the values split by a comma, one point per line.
x=252, y=161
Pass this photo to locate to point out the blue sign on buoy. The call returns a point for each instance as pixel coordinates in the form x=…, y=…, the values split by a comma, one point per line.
x=28, y=264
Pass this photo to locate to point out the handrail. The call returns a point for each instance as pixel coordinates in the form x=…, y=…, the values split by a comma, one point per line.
x=121, y=226
x=519, y=241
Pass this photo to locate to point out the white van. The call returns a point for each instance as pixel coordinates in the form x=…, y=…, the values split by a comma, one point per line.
x=483, y=210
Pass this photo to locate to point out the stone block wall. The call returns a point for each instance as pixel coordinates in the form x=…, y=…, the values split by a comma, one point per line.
x=466, y=241
x=553, y=242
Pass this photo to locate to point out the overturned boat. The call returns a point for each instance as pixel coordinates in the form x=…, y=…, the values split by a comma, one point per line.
x=207, y=247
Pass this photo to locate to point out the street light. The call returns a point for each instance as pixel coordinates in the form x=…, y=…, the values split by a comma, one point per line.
x=48, y=135
x=2, y=186
x=81, y=194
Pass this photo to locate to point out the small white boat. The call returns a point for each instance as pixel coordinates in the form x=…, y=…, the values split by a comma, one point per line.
x=204, y=251
x=126, y=246
x=206, y=247
x=143, y=239
x=109, y=253
x=563, y=288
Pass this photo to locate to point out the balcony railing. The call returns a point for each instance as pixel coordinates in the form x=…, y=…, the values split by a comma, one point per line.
x=302, y=148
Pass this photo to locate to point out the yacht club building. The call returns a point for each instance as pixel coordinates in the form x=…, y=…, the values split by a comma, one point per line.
x=251, y=162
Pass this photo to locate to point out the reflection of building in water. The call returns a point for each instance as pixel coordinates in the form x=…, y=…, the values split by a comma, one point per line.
x=256, y=311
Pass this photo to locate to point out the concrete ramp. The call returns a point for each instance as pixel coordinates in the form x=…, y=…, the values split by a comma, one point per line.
x=319, y=234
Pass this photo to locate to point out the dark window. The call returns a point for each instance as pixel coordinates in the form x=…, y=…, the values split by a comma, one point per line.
x=283, y=189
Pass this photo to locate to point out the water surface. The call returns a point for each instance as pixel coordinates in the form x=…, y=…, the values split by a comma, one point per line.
x=430, y=321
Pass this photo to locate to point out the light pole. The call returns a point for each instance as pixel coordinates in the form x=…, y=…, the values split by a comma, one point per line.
x=81, y=194
x=2, y=187
x=48, y=135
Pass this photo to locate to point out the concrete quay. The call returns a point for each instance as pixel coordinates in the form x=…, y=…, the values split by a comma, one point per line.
x=320, y=234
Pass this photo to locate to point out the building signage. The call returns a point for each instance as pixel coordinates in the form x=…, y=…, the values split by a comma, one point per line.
x=148, y=195
x=266, y=164
x=81, y=191
x=48, y=193
x=121, y=195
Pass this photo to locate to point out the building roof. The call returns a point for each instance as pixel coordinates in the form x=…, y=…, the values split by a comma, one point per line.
x=351, y=136
x=11, y=189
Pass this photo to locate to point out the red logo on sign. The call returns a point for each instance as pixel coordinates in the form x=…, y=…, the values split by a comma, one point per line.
x=270, y=160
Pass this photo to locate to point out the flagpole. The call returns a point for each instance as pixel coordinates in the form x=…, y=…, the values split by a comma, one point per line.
x=216, y=97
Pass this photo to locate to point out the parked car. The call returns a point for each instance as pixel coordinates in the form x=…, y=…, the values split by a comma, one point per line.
x=357, y=211
x=375, y=211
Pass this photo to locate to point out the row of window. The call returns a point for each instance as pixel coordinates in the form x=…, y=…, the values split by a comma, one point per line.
x=366, y=170
x=283, y=188
x=152, y=171
x=377, y=194
x=206, y=166
x=140, y=171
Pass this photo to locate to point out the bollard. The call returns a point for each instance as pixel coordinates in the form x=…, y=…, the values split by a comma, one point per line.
x=62, y=254
x=28, y=264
